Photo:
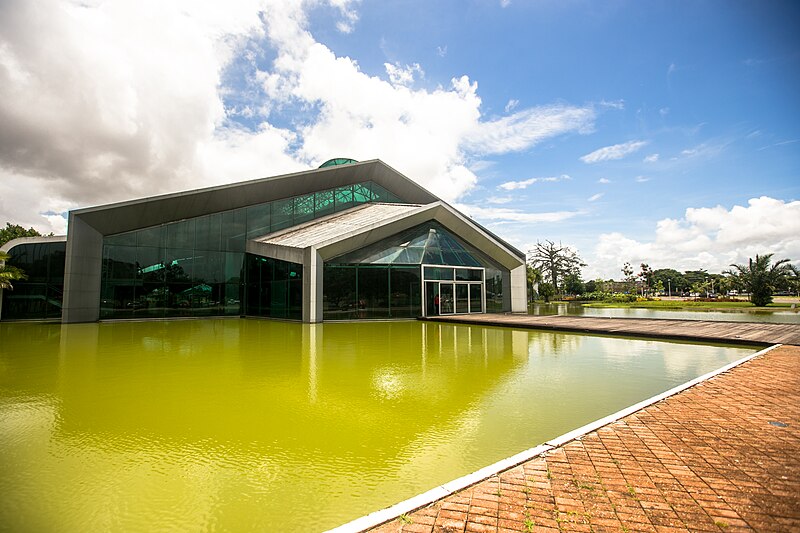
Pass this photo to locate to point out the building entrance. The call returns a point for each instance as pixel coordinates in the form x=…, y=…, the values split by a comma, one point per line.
x=456, y=291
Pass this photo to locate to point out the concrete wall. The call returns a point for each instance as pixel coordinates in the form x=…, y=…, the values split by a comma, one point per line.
x=82, y=272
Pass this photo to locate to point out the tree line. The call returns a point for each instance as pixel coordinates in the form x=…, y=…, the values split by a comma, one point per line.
x=555, y=270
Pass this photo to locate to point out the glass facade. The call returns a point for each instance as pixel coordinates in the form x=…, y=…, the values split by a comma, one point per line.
x=40, y=295
x=274, y=288
x=196, y=267
x=385, y=280
x=353, y=292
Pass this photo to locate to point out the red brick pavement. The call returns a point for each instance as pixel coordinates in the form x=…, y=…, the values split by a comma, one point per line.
x=707, y=459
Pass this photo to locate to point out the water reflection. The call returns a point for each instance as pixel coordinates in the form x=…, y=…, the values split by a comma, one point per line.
x=249, y=424
x=725, y=315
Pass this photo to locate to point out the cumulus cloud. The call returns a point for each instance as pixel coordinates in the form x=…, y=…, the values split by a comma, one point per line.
x=652, y=158
x=524, y=184
x=707, y=237
x=604, y=181
x=403, y=74
x=103, y=101
x=616, y=151
x=595, y=197
x=642, y=179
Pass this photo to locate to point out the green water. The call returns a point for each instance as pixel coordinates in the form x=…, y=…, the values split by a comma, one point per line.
x=240, y=425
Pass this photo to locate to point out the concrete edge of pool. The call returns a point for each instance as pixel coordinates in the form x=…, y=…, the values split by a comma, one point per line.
x=387, y=514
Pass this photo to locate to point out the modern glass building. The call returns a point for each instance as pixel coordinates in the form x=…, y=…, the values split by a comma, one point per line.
x=347, y=241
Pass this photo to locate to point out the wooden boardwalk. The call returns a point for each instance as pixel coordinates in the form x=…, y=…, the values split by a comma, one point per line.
x=694, y=330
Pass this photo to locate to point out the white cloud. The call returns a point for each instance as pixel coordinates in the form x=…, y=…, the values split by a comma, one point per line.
x=505, y=3
x=515, y=185
x=664, y=111
x=485, y=214
x=595, y=197
x=604, y=181
x=441, y=51
x=134, y=103
x=403, y=75
x=499, y=200
x=652, y=158
x=616, y=151
x=642, y=179
x=511, y=105
x=707, y=237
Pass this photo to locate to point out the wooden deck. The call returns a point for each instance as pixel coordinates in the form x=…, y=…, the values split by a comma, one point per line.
x=694, y=330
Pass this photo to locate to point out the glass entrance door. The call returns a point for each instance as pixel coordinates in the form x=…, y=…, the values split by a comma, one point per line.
x=446, y=300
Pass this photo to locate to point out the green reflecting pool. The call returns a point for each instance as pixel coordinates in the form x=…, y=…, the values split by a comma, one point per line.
x=237, y=425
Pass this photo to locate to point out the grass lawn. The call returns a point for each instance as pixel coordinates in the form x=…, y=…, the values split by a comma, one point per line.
x=689, y=305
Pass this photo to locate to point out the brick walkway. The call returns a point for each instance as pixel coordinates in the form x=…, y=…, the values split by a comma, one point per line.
x=713, y=458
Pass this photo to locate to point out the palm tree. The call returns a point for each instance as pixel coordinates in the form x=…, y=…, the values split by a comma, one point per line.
x=8, y=273
x=760, y=278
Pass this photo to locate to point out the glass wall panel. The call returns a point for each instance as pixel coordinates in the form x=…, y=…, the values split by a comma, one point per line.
x=339, y=292
x=207, y=232
x=303, y=209
x=462, y=298
x=438, y=273
x=282, y=214
x=323, y=203
x=343, y=198
x=475, y=300
x=181, y=234
x=258, y=220
x=406, y=297
x=40, y=296
x=361, y=193
x=469, y=274
x=274, y=288
x=494, y=291
x=373, y=292
x=151, y=236
x=233, y=229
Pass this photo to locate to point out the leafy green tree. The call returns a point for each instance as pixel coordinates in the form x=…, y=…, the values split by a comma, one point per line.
x=534, y=276
x=671, y=279
x=555, y=261
x=15, y=231
x=760, y=277
x=546, y=291
x=9, y=273
x=573, y=284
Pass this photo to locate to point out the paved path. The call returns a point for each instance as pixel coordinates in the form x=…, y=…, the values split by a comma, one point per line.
x=716, y=457
x=700, y=330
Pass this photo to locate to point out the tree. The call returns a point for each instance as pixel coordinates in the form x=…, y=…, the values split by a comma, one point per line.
x=546, y=291
x=15, y=231
x=534, y=276
x=628, y=277
x=8, y=273
x=573, y=284
x=555, y=261
x=671, y=279
x=646, y=277
x=760, y=278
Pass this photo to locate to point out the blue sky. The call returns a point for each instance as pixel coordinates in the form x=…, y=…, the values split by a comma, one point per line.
x=664, y=132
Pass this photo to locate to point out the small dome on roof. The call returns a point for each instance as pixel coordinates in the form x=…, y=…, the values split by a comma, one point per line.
x=337, y=161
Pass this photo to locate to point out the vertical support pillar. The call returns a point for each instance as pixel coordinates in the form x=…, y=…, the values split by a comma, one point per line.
x=82, y=272
x=519, y=300
x=312, y=286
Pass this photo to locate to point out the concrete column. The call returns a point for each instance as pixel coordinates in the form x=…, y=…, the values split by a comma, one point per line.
x=312, y=286
x=82, y=272
x=519, y=300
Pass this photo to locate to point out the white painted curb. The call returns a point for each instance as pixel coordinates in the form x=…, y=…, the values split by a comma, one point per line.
x=426, y=498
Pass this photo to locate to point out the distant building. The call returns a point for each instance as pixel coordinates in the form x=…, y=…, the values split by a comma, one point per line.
x=346, y=241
